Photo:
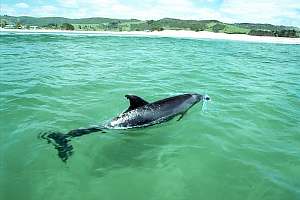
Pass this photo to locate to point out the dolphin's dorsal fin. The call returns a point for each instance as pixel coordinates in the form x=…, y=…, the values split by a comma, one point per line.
x=135, y=102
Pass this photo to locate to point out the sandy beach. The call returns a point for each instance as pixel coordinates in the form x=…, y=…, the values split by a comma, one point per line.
x=171, y=33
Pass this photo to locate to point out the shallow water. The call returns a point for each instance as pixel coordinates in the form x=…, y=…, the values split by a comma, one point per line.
x=244, y=145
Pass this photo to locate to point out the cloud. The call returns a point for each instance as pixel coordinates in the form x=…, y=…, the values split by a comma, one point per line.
x=22, y=5
x=149, y=9
x=8, y=10
x=262, y=11
x=68, y=3
x=46, y=11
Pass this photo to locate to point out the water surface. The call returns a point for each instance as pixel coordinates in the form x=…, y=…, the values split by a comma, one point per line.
x=244, y=146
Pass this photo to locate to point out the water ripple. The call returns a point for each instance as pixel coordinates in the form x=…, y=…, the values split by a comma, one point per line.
x=245, y=145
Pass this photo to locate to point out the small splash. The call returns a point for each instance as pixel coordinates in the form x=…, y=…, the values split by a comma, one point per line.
x=206, y=98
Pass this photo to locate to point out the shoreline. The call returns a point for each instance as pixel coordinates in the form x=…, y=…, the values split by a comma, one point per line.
x=170, y=33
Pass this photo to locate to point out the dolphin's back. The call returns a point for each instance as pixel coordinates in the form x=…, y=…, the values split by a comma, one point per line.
x=154, y=113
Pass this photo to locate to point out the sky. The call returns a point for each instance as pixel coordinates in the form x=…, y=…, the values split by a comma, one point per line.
x=279, y=12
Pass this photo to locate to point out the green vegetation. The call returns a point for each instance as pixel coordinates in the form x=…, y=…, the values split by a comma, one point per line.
x=107, y=24
x=18, y=25
x=277, y=33
x=66, y=26
x=232, y=29
x=3, y=23
x=218, y=27
x=269, y=27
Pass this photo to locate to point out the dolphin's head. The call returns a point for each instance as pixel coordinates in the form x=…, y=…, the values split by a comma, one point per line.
x=199, y=97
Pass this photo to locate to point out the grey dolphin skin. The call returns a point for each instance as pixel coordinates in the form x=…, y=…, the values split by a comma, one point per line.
x=139, y=114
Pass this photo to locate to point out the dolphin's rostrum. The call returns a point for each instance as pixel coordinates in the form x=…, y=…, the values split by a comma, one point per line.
x=139, y=114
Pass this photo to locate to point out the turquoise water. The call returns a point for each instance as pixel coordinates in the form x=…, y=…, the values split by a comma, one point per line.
x=244, y=145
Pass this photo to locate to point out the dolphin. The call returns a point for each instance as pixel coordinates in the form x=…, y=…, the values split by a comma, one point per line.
x=139, y=114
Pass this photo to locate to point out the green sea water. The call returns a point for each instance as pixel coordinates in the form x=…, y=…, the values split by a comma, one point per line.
x=244, y=144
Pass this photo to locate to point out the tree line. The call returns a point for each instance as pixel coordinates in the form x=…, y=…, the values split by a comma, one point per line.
x=275, y=33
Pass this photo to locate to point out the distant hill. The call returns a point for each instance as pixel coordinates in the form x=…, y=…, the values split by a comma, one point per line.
x=108, y=24
x=44, y=21
x=269, y=27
